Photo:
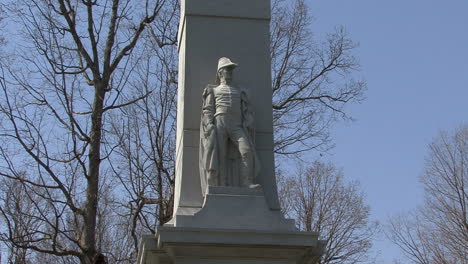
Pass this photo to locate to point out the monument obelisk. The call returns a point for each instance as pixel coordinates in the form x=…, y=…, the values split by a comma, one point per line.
x=211, y=29
x=226, y=222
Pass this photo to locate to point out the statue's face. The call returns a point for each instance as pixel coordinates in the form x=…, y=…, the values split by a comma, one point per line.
x=225, y=74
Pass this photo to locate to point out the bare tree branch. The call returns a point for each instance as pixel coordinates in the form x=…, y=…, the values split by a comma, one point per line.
x=438, y=231
x=312, y=82
x=320, y=200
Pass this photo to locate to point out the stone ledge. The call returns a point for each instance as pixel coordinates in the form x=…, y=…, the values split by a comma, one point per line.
x=235, y=236
x=253, y=9
x=205, y=245
x=235, y=190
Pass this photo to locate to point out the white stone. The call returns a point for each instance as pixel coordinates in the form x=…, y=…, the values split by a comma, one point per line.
x=235, y=225
x=235, y=208
x=210, y=29
x=202, y=245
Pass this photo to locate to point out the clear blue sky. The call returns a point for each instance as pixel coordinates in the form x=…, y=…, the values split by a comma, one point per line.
x=414, y=55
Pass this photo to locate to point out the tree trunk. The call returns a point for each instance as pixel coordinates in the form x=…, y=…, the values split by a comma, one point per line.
x=89, y=229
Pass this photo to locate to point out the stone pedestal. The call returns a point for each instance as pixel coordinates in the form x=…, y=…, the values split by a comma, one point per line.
x=235, y=225
x=173, y=245
x=234, y=208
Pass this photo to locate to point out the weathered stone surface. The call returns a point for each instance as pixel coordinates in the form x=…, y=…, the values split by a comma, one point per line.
x=200, y=245
x=235, y=208
x=211, y=29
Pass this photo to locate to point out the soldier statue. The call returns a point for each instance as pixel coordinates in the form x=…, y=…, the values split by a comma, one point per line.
x=227, y=133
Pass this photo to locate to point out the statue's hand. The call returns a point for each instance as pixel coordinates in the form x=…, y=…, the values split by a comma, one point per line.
x=210, y=127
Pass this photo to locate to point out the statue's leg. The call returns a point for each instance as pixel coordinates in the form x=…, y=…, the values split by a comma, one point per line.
x=222, y=148
x=247, y=156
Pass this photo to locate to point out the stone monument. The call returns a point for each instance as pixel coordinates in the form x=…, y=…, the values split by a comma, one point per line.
x=226, y=207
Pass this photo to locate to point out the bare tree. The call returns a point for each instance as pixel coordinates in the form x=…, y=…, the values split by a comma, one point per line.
x=2, y=17
x=312, y=81
x=320, y=200
x=71, y=70
x=12, y=192
x=146, y=143
x=437, y=232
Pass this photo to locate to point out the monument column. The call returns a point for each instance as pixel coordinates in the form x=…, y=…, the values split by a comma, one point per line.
x=210, y=29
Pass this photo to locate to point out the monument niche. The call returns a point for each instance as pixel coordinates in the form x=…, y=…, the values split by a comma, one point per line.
x=226, y=207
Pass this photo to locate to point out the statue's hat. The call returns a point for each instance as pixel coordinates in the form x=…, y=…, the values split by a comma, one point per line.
x=225, y=62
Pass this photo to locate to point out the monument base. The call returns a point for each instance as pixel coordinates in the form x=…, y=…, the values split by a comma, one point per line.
x=233, y=208
x=173, y=245
x=235, y=225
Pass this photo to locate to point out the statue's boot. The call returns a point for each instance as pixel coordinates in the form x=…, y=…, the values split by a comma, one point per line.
x=247, y=171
